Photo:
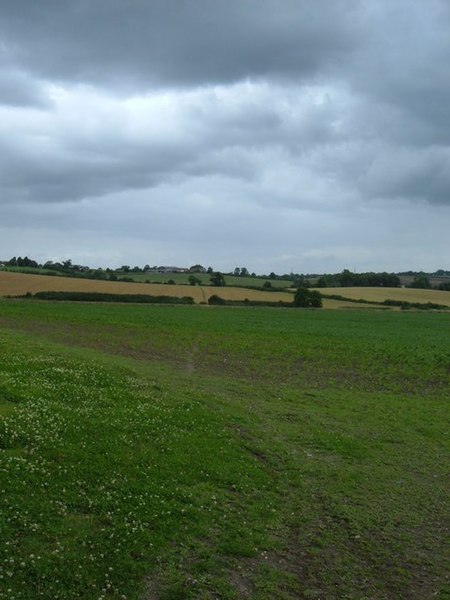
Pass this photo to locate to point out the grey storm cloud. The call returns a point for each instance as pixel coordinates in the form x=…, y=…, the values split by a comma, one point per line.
x=190, y=109
x=176, y=42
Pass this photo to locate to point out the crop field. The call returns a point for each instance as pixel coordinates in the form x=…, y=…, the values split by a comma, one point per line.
x=183, y=278
x=196, y=452
x=379, y=294
x=18, y=284
x=329, y=303
x=178, y=278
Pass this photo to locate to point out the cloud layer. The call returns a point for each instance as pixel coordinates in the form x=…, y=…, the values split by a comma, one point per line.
x=298, y=135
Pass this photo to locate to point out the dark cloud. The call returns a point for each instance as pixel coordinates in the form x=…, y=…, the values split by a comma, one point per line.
x=176, y=42
x=290, y=115
x=401, y=67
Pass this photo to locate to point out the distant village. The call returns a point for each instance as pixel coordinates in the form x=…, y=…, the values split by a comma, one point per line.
x=68, y=265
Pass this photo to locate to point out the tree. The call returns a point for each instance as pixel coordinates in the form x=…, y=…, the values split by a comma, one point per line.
x=99, y=274
x=193, y=280
x=346, y=278
x=237, y=271
x=197, y=269
x=305, y=298
x=300, y=281
x=421, y=282
x=217, y=279
x=23, y=262
x=302, y=298
x=315, y=299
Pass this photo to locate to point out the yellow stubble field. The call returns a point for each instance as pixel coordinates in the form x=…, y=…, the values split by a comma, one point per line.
x=379, y=294
x=18, y=284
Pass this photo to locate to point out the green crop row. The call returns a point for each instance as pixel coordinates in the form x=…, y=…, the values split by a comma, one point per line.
x=186, y=452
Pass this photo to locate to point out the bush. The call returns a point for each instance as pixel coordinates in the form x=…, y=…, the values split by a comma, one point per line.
x=215, y=299
x=104, y=297
x=404, y=305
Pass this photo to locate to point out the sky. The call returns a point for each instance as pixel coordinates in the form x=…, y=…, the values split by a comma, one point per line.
x=301, y=136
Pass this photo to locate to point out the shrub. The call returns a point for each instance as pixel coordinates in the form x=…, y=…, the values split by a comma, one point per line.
x=104, y=297
x=215, y=299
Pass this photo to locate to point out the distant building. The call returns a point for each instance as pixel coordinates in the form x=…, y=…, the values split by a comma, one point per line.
x=172, y=270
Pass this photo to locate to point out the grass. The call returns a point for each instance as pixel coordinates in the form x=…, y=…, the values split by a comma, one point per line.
x=183, y=278
x=197, y=452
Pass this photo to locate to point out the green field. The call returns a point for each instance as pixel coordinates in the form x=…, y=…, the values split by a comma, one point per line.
x=178, y=278
x=183, y=278
x=169, y=452
x=34, y=271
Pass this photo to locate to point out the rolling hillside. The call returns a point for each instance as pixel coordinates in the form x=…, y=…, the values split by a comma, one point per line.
x=18, y=284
